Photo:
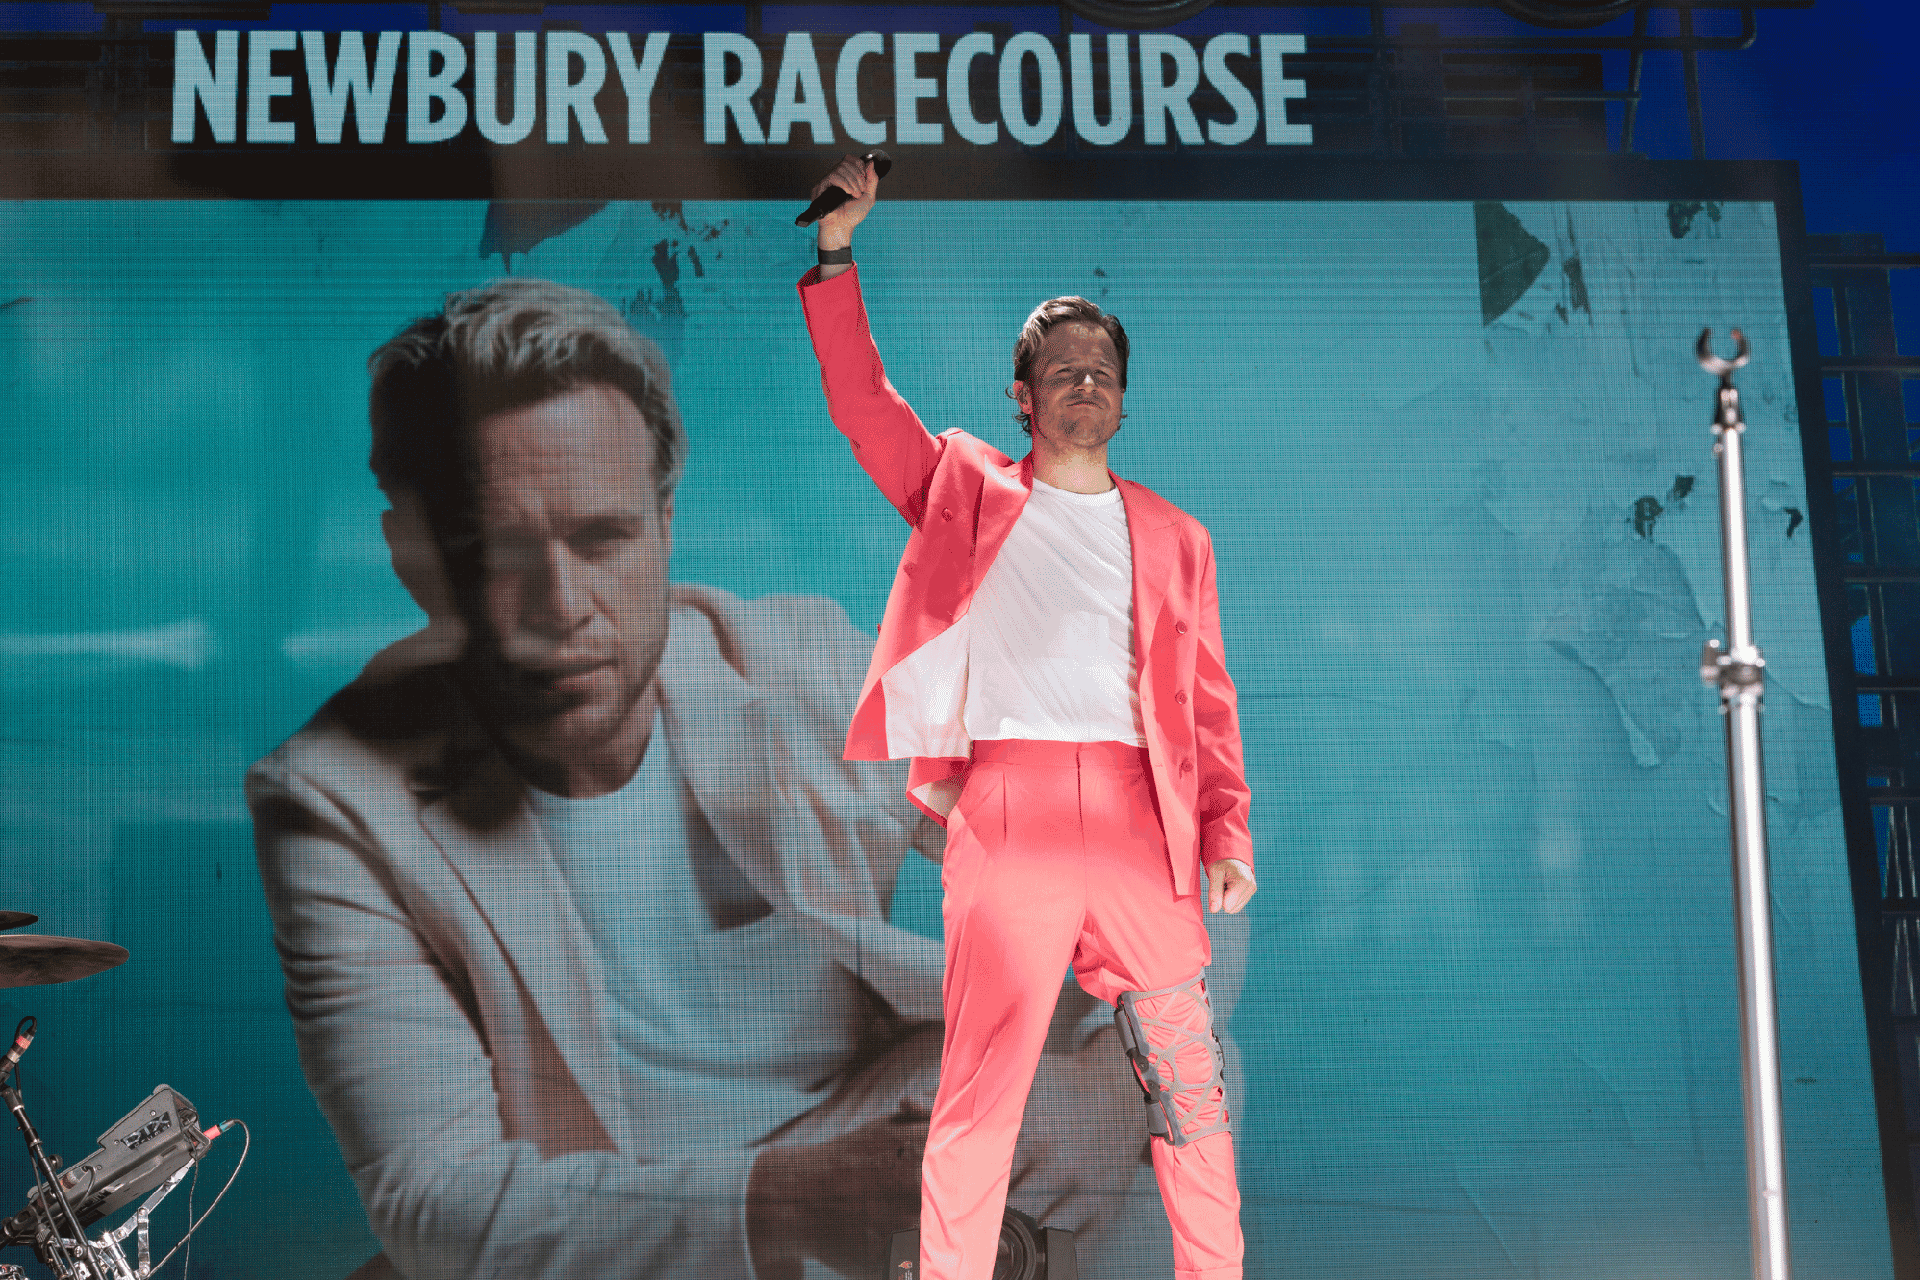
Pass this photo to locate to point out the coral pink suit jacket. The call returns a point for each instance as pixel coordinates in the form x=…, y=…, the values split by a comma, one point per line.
x=962, y=496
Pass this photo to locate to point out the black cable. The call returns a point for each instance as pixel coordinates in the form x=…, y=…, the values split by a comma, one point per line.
x=193, y=1184
x=193, y=1224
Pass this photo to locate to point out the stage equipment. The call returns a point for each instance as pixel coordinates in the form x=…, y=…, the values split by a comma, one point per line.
x=833, y=197
x=1740, y=673
x=150, y=1149
x=144, y=1148
x=1027, y=1251
x=1182, y=1016
x=36, y=960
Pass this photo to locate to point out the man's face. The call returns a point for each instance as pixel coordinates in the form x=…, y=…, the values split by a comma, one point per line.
x=1074, y=399
x=569, y=612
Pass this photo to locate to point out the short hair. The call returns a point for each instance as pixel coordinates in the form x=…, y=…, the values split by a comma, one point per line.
x=1033, y=334
x=493, y=349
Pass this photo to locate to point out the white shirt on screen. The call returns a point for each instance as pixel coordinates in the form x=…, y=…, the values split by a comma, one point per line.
x=726, y=1016
x=1050, y=632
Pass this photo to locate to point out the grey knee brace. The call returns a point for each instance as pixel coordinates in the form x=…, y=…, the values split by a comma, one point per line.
x=1168, y=1035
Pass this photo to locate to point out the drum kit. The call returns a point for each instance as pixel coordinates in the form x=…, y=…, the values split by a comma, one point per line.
x=151, y=1149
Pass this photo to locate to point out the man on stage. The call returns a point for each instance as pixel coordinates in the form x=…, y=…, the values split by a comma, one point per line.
x=1051, y=661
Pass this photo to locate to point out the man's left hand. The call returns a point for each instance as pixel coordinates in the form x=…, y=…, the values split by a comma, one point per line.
x=1230, y=885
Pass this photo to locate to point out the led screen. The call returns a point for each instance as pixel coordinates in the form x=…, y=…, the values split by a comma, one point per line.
x=1456, y=464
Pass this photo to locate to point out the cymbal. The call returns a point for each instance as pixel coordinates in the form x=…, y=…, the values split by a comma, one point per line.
x=16, y=920
x=38, y=960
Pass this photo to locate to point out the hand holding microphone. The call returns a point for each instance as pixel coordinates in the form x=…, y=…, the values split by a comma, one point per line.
x=855, y=178
x=840, y=201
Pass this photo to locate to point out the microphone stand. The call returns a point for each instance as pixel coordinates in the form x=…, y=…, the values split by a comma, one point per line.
x=1740, y=673
x=75, y=1267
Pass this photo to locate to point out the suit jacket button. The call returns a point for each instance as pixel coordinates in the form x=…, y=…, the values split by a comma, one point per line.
x=1180, y=628
x=1181, y=697
x=907, y=569
x=1186, y=766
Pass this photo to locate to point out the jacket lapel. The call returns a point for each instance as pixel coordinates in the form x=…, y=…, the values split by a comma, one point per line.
x=1154, y=565
x=484, y=829
x=1003, y=496
x=749, y=776
x=716, y=724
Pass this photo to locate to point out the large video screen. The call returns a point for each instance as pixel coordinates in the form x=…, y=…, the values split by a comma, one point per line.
x=1482, y=1017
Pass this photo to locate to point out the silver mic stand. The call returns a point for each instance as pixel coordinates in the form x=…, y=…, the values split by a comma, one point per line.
x=1740, y=673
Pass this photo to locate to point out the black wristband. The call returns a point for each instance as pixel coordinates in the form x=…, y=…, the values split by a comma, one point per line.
x=836, y=257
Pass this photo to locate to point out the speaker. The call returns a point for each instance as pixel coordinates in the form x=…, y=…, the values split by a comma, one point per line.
x=1027, y=1251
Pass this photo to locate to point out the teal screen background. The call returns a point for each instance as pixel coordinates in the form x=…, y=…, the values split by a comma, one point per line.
x=1485, y=1003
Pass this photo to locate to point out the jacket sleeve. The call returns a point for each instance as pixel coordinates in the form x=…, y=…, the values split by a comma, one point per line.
x=1223, y=797
x=389, y=1042
x=888, y=439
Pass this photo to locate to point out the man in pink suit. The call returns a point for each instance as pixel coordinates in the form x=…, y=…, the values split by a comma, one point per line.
x=1051, y=662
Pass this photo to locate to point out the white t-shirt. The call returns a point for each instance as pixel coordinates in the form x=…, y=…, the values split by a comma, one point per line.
x=726, y=1014
x=1050, y=630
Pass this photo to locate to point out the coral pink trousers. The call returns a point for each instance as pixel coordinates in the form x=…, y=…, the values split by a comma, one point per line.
x=1055, y=856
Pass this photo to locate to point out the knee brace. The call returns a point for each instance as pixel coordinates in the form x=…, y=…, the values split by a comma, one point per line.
x=1169, y=1038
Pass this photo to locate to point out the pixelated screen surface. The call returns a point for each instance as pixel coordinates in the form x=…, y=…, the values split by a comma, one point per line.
x=1454, y=458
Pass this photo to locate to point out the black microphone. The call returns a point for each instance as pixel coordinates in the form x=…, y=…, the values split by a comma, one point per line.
x=23, y=1036
x=833, y=197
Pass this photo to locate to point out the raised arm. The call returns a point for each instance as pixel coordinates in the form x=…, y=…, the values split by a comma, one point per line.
x=888, y=439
